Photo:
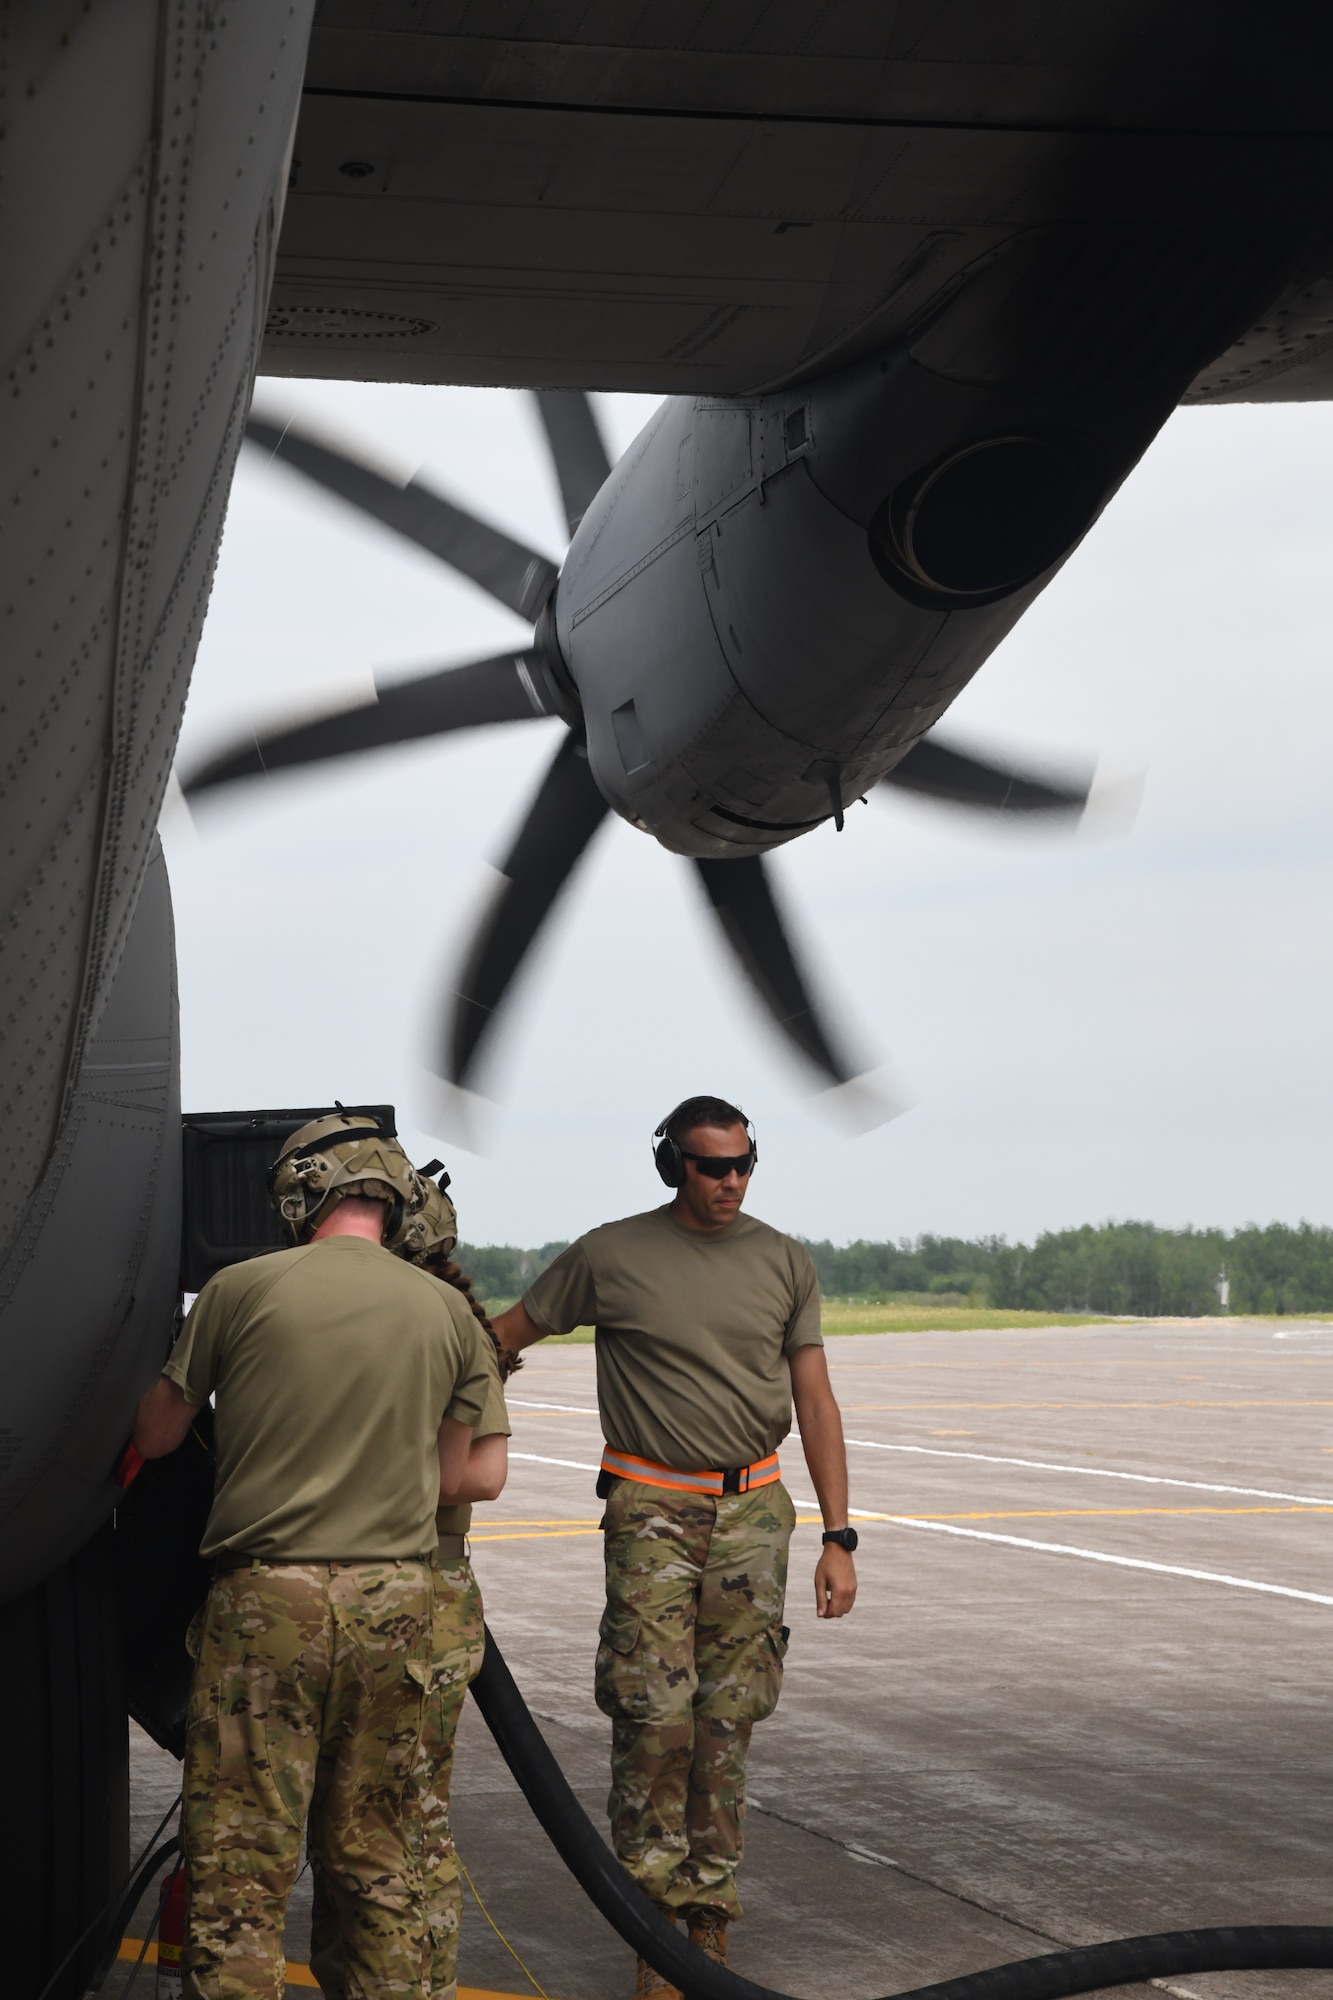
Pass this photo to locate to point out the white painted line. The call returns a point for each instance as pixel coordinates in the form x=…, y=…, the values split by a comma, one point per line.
x=577, y=1409
x=574, y=1464
x=1096, y=1556
x=866, y=1854
x=1022, y=1541
x=1092, y=1472
x=993, y=1458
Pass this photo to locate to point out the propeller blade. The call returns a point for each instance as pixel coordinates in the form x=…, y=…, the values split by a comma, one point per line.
x=937, y=772
x=581, y=463
x=511, y=687
x=512, y=573
x=741, y=893
x=563, y=818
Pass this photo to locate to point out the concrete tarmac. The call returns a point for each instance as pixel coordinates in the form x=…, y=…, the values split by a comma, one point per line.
x=1082, y=1694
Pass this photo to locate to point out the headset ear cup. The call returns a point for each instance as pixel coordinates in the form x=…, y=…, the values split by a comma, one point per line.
x=667, y=1159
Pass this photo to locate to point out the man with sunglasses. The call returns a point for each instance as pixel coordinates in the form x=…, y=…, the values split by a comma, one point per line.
x=707, y=1328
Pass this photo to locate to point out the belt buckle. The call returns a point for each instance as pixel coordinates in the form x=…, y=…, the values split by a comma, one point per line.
x=731, y=1481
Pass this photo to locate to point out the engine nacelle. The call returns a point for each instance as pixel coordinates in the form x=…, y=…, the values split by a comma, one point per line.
x=773, y=599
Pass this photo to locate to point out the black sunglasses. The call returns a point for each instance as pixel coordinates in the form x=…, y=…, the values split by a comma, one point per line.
x=716, y=1167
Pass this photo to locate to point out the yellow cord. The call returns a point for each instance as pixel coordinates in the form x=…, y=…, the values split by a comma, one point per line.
x=500, y=1934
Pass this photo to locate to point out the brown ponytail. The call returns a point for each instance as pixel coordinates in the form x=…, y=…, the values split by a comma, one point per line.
x=452, y=1274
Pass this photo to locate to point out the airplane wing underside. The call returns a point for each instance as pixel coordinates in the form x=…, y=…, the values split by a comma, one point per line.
x=729, y=197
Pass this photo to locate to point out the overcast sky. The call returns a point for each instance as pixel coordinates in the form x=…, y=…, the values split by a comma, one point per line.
x=1136, y=1027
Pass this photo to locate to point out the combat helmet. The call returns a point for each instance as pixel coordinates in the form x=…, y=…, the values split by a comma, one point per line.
x=347, y=1153
x=429, y=1231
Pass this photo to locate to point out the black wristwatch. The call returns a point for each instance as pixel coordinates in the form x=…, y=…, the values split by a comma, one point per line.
x=846, y=1538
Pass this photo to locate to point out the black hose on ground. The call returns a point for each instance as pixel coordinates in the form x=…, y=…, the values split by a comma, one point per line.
x=114, y=1933
x=133, y=1895
x=1123, y=1961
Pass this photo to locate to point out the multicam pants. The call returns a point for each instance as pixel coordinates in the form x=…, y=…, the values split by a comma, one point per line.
x=309, y=1694
x=455, y=1661
x=690, y=1659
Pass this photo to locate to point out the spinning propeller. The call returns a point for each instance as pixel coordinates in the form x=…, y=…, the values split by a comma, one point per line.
x=568, y=807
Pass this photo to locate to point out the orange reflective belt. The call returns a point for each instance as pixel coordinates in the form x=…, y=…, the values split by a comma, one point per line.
x=740, y=1479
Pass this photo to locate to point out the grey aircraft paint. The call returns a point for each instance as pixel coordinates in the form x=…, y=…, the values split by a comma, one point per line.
x=138, y=266
x=905, y=270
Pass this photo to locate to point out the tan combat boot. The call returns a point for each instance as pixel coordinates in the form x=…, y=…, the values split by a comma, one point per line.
x=650, y=1985
x=708, y=1933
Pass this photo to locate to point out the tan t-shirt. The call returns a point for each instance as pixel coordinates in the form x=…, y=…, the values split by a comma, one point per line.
x=493, y=1422
x=693, y=1333
x=334, y=1365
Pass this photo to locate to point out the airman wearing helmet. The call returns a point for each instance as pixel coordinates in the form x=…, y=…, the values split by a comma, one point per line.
x=346, y=1154
x=347, y=1384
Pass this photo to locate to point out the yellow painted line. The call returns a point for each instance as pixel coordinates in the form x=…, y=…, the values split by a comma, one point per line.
x=555, y=1534
x=535, y=1535
x=130, y=1947
x=301, y=1975
x=297, y=1975
x=552, y=1521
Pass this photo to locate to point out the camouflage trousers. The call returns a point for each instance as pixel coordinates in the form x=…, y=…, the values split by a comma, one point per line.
x=309, y=1694
x=690, y=1659
x=456, y=1649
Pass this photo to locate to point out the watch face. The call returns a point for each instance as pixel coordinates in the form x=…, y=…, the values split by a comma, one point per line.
x=846, y=1538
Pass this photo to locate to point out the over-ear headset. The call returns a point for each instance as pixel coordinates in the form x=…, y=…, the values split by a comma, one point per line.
x=668, y=1158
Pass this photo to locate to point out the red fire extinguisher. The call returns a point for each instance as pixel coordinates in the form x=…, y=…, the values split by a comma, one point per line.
x=171, y=1936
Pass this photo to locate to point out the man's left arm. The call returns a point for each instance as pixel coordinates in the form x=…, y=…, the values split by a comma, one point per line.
x=820, y=1422
x=453, y=1442
x=487, y=1466
x=484, y=1472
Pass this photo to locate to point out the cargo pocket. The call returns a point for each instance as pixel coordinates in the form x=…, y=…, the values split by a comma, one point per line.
x=199, y=1777
x=458, y=1633
x=619, y=1682
x=408, y=1729
x=266, y=1752
x=457, y=1670
x=766, y=1674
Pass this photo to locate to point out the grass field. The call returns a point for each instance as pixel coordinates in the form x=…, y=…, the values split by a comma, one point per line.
x=894, y=1318
x=891, y=1317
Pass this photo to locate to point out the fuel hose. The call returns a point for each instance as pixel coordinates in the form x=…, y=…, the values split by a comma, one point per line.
x=1119, y=1962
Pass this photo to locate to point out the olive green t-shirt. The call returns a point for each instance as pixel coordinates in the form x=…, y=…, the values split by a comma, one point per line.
x=334, y=1365
x=493, y=1422
x=693, y=1333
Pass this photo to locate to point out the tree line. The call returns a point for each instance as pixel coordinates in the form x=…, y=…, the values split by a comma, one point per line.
x=1113, y=1267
